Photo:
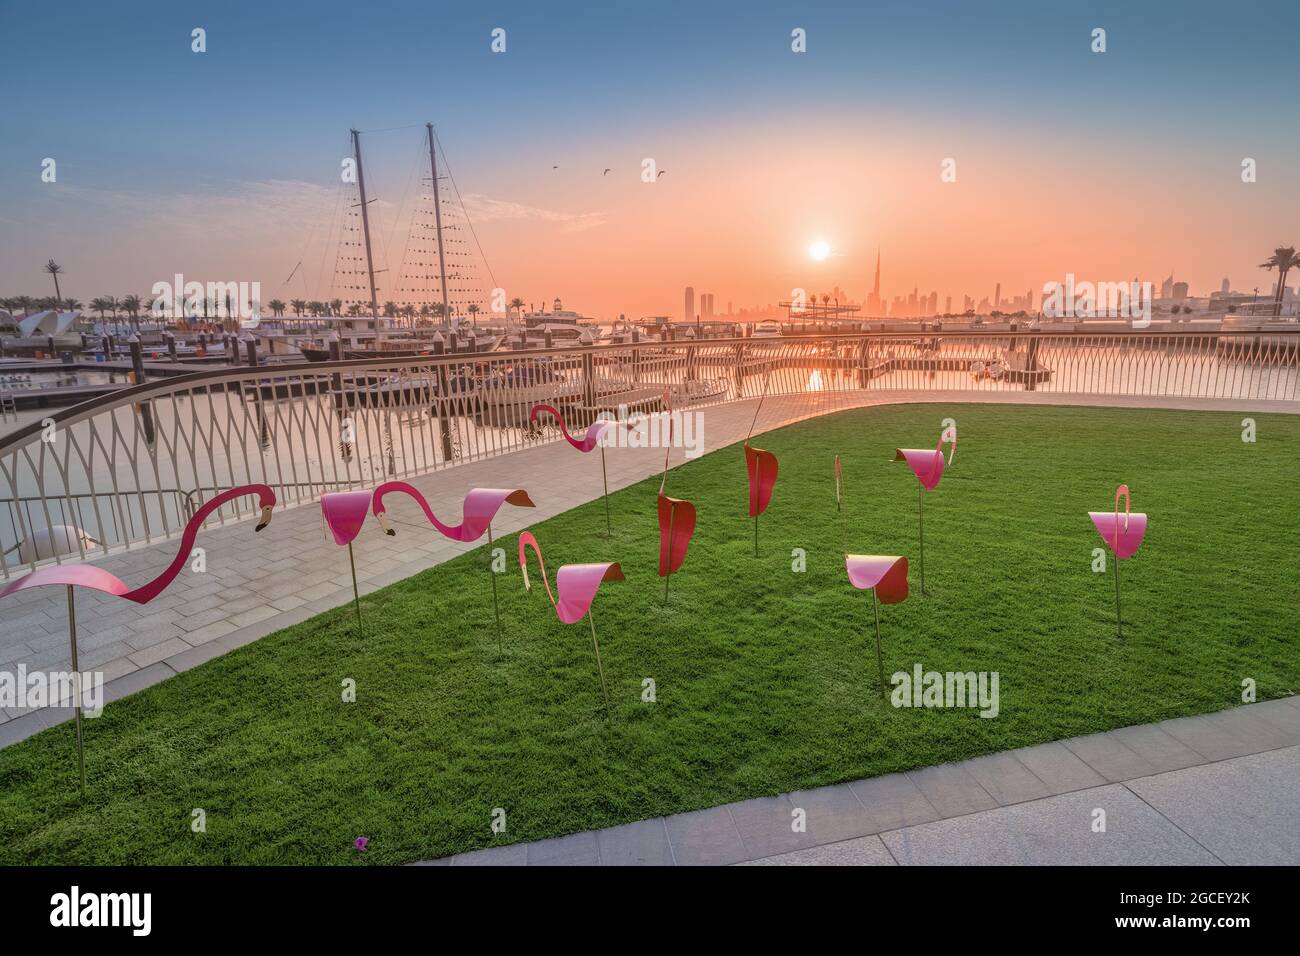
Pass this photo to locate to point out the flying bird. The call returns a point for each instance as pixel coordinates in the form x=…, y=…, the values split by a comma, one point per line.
x=607, y=170
x=661, y=172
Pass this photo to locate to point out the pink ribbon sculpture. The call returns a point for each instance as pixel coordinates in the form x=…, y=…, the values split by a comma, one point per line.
x=762, y=469
x=1123, y=537
x=589, y=441
x=479, y=508
x=576, y=585
x=928, y=467
x=885, y=576
x=676, y=517
x=344, y=513
x=90, y=576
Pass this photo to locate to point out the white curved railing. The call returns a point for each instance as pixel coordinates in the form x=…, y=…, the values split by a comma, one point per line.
x=129, y=468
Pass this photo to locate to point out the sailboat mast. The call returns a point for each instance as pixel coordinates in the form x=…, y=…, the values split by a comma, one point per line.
x=365, y=228
x=437, y=219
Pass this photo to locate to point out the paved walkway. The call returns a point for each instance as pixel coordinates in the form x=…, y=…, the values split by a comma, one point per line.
x=292, y=571
x=1215, y=789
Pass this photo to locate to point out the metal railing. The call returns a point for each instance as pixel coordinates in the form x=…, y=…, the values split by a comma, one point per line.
x=120, y=463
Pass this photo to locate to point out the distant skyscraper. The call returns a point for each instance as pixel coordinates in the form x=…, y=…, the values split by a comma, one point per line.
x=1167, y=287
x=1225, y=286
x=1179, y=291
x=997, y=296
x=947, y=305
x=690, y=304
x=874, y=305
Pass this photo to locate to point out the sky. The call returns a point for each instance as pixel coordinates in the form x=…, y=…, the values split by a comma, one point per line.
x=224, y=165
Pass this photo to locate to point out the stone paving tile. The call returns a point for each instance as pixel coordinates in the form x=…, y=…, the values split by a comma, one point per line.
x=209, y=632
x=644, y=843
x=703, y=838
x=576, y=849
x=833, y=813
x=1058, y=767
x=863, y=851
x=1156, y=747
x=1107, y=755
x=1256, y=733
x=1005, y=778
x=1245, y=810
x=1053, y=830
x=893, y=801
x=951, y=790
x=159, y=652
x=1280, y=714
x=766, y=827
x=1211, y=740
x=513, y=855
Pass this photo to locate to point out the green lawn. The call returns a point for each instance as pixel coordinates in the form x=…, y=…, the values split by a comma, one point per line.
x=766, y=679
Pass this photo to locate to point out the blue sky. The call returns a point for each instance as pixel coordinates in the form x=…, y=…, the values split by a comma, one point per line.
x=113, y=91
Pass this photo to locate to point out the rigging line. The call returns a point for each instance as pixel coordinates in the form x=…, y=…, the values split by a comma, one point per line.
x=459, y=198
x=325, y=248
x=389, y=129
x=401, y=269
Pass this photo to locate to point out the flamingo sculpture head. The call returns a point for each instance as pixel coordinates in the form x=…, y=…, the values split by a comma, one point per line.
x=589, y=441
x=92, y=576
x=1123, y=535
x=576, y=584
x=479, y=508
x=928, y=465
x=887, y=574
x=676, y=515
x=344, y=513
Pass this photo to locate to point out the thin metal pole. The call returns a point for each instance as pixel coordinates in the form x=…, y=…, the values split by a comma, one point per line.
x=1119, y=621
x=920, y=521
x=365, y=228
x=496, y=610
x=880, y=663
x=599, y=667
x=604, y=477
x=356, y=594
x=755, y=535
x=437, y=219
x=76, y=685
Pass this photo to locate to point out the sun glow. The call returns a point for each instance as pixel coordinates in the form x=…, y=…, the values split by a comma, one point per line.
x=819, y=250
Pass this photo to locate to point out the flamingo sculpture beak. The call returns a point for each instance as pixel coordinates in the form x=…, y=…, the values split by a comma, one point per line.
x=382, y=517
x=266, y=517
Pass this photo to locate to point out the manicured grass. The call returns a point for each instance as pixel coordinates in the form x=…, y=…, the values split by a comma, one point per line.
x=765, y=678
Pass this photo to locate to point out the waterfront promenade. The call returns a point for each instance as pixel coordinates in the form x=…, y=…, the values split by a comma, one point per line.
x=292, y=570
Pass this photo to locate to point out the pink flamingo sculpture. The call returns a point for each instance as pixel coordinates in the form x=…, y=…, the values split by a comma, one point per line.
x=762, y=469
x=90, y=576
x=478, y=510
x=576, y=585
x=589, y=441
x=676, y=517
x=1123, y=537
x=885, y=576
x=344, y=513
x=928, y=467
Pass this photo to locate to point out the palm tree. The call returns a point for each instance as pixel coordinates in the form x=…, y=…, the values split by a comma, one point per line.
x=276, y=307
x=131, y=306
x=336, y=306
x=1284, y=258
x=425, y=311
x=72, y=305
x=53, y=268
x=515, y=305
x=100, y=305
x=299, y=306
x=354, y=309
x=316, y=308
x=473, y=311
x=390, y=308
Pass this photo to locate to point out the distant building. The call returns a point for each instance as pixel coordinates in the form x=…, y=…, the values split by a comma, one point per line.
x=690, y=304
x=1180, y=291
x=1225, y=286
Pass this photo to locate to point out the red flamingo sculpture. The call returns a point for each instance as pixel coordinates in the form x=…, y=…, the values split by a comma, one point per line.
x=344, y=513
x=576, y=585
x=928, y=467
x=89, y=576
x=885, y=576
x=478, y=510
x=676, y=517
x=762, y=469
x=589, y=441
x=1123, y=537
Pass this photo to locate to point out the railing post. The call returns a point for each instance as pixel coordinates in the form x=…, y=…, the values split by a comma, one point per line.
x=171, y=346
x=263, y=431
x=864, y=359
x=1031, y=363
x=740, y=370
x=443, y=400
x=636, y=357
x=588, y=343
x=146, y=412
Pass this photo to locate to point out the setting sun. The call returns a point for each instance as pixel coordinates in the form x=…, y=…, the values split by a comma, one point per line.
x=819, y=250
